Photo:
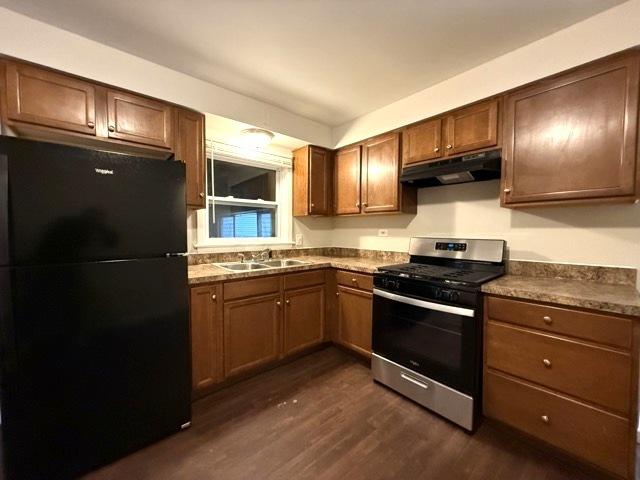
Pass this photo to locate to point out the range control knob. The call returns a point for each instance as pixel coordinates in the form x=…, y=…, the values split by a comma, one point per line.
x=454, y=297
x=445, y=295
x=385, y=282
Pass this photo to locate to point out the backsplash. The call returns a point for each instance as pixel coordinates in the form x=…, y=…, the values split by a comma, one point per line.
x=218, y=257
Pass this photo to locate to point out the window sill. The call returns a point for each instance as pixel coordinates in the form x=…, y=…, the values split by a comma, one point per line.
x=242, y=244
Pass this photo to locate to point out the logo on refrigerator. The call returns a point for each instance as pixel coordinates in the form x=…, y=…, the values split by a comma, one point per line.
x=103, y=171
x=414, y=363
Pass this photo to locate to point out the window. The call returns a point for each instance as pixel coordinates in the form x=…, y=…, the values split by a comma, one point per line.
x=247, y=202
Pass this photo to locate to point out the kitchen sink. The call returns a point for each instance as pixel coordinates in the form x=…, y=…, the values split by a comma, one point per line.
x=243, y=266
x=284, y=263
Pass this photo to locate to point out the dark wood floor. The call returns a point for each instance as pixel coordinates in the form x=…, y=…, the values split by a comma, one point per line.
x=322, y=417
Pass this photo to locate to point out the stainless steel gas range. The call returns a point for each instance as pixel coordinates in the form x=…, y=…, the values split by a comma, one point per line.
x=427, y=324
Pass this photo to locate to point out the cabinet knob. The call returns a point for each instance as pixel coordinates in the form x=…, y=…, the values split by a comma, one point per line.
x=213, y=297
x=278, y=302
x=507, y=190
x=112, y=128
x=354, y=280
x=436, y=149
x=357, y=204
x=288, y=302
x=337, y=294
x=546, y=362
x=201, y=195
x=449, y=147
x=91, y=124
x=545, y=418
x=365, y=204
x=547, y=319
x=313, y=205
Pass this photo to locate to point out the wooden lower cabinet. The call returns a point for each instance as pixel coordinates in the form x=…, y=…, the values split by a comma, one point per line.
x=251, y=332
x=206, y=336
x=304, y=316
x=354, y=319
x=576, y=395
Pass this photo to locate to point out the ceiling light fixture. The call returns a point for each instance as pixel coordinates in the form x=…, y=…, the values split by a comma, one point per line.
x=256, y=137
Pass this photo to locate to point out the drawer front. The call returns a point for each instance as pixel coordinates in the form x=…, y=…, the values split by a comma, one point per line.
x=304, y=279
x=595, y=374
x=599, y=328
x=586, y=432
x=251, y=287
x=355, y=280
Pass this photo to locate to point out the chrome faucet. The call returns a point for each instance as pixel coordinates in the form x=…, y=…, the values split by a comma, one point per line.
x=241, y=257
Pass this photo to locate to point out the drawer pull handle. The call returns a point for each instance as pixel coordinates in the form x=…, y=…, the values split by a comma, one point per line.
x=278, y=303
x=547, y=320
x=414, y=381
x=545, y=418
x=354, y=280
x=546, y=362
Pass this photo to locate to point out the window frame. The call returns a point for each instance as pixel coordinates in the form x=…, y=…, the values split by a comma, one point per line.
x=283, y=202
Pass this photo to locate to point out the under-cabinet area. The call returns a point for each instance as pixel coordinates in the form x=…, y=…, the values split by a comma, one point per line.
x=242, y=326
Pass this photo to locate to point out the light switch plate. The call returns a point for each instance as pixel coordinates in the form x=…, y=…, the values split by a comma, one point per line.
x=299, y=239
x=383, y=232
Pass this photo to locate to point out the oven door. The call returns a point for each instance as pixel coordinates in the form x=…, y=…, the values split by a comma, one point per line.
x=437, y=340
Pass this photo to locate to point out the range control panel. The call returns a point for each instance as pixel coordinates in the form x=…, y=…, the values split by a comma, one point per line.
x=451, y=247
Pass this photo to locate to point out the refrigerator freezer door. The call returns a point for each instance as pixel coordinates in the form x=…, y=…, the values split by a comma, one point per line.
x=70, y=204
x=103, y=363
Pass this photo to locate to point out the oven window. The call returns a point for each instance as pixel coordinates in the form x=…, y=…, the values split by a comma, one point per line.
x=437, y=344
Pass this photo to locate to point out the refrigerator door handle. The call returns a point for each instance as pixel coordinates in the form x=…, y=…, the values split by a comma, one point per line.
x=4, y=210
x=8, y=355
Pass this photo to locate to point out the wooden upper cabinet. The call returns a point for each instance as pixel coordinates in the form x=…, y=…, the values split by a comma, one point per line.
x=573, y=137
x=139, y=119
x=472, y=128
x=380, y=169
x=190, y=149
x=320, y=180
x=206, y=336
x=42, y=97
x=312, y=181
x=422, y=142
x=347, y=181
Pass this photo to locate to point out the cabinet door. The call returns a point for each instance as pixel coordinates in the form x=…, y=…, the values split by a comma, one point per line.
x=251, y=332
x=206, y=337
x=139, y=119
x=301, y=182
x=320, y=179
x=573, y=136
x=42, y=97
x=354, y=319
x=190, y=150
x=347, y=181
x=303, y=318
x=422, y=142
x=472, y=128
x=380, y=174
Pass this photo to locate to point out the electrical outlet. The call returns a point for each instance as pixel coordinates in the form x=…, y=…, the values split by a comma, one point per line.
x=299, y=240
x=383, y=232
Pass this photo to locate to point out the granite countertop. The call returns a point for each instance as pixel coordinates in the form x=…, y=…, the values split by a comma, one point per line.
x=595, y=295
x=206, y=273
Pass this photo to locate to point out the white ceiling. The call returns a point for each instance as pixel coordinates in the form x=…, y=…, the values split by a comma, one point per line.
x=328, y=60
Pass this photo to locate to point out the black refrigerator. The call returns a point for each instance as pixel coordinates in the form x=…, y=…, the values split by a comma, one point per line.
x=93, y=306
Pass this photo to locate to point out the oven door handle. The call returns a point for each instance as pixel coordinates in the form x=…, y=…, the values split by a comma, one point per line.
x=465, y=312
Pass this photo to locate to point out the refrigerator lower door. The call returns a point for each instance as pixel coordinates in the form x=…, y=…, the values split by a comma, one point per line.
x=102, y=363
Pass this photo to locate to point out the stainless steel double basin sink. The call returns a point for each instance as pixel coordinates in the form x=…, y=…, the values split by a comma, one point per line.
x=246, y=266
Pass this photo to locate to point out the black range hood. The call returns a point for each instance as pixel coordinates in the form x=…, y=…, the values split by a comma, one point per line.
x=467, y=168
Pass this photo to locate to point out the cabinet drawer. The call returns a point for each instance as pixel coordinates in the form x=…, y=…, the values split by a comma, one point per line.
x=355, y=280
x=303, y=279
x=251, y=287
x=599, y=328
x=596, y=374
x=586, y=432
